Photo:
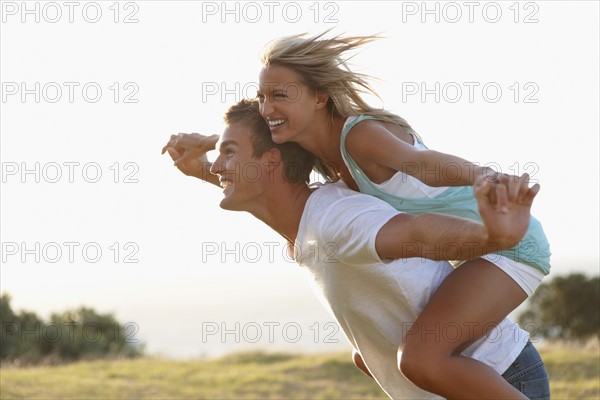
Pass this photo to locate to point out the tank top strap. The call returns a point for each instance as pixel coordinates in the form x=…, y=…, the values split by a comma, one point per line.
x=357, y=173
x=417, y=138
x=351, y=122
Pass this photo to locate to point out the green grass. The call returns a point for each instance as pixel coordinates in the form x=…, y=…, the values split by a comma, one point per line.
x=240, y=376
x=574, y=374
x=574, y=370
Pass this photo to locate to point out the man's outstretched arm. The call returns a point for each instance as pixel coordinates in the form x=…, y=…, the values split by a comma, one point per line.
x=505, y=211
x=188, y=151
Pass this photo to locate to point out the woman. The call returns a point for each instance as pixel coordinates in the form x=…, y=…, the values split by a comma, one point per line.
x=309, y=96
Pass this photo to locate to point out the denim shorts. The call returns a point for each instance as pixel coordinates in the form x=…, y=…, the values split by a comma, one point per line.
x=528, y=374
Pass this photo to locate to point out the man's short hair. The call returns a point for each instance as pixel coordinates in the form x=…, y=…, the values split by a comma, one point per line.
x=297, y=162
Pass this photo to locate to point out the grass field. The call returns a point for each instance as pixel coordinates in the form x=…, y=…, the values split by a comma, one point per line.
x=574, y=374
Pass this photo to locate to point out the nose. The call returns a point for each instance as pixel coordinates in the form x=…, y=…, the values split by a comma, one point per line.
x=217, y=166
x=265, y=107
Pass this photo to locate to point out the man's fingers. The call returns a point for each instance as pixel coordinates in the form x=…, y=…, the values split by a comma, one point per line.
x=503, y=179
x=483, y=190
x=501, y=198
x=190, y=139
x=184, y=157
x=514, y=184
x=524, y=189
x=171, y=143
x=492, y=194
x=531, y=193
x=175, y=155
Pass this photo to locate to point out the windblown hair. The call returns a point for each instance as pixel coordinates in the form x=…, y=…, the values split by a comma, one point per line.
x=297, y=162
x=322, y=67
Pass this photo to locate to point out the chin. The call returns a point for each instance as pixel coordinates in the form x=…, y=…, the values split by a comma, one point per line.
x=225, y=204
x=278, y=138
x=229, y=205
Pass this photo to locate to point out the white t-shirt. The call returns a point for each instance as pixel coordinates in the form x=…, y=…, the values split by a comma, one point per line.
x=374, y=301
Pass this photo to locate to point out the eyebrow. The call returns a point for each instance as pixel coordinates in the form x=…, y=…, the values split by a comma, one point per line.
x=271, y=87
x=227, y=143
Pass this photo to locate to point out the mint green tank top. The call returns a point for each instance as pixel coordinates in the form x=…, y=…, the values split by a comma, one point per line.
x=533, y=249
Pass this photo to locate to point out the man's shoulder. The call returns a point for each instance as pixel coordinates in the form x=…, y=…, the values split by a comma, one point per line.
x=334, y=206
x=331, y=205
x=330, y=189
x=338, y=197
x=339, y=191
x=335, y=220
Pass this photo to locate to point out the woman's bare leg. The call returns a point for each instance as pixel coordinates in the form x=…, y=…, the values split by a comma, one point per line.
x=471, y=301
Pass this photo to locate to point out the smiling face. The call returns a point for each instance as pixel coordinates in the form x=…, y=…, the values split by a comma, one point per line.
x=288, y=105
x=240, y=174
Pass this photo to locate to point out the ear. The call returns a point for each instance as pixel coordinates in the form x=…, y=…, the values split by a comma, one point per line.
x=273, y=155
x=272, y=160
x=321, y=98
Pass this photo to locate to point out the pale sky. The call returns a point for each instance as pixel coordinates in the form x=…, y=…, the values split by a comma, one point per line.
x=512, y=85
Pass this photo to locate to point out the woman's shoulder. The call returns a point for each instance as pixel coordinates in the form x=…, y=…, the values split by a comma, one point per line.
x=367, y=132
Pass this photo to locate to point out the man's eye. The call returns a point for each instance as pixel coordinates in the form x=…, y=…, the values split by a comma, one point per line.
x=279, y=95
x=227, y=152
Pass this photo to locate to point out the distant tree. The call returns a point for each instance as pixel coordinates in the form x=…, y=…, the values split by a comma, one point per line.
x=72, y=335
x=9, y=341
x=87, y=334
x=567, y=307
x=20, y=333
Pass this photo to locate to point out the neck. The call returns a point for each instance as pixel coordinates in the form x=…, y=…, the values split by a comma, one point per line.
x=282, y=208
x=323, y=138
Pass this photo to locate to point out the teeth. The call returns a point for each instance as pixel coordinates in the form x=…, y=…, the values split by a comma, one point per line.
x=276, y=122
x=225, y=183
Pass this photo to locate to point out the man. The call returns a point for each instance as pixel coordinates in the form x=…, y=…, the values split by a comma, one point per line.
x=365, y=258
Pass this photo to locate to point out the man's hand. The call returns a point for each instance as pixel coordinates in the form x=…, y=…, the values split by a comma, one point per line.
x=505, y=208
x=188, y=151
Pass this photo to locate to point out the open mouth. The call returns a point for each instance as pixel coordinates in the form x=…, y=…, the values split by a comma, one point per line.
x=225, y=183
x=275, y=123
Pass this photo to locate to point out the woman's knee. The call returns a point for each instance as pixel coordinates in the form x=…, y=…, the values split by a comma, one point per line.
x=420, y=369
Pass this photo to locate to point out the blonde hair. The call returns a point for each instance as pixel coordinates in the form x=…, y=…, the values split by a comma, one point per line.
x=322, y=68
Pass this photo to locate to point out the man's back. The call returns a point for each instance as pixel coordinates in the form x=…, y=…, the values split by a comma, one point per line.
x=374, y=301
